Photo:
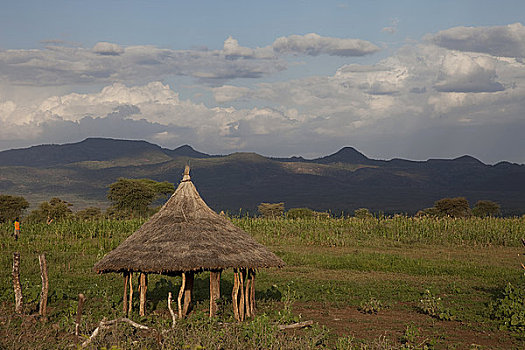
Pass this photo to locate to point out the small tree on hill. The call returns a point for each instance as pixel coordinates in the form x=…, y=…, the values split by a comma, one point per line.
x=54, y=210
x=457, y=207
x=271, y=210
x=136, y=195
x=11, y=207
x=484, y=208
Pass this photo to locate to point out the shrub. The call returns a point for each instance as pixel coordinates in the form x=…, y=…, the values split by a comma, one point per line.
x=434, y=307
x=486, y=208
x=362, y=213
x=271, y=210
x=509, y=310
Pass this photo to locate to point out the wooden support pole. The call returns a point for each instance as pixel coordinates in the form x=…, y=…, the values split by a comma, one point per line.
x=125, y=298
x=215, y=291
x=247, y=294
x=16, y=283
x=80, y=307
x=181, y=293
x=242, y=274
x=42, y=310
x=143, y=288
x=188, y=292
x=252, y=292
x=235, y=295
x=130, y=304
x=173, y=316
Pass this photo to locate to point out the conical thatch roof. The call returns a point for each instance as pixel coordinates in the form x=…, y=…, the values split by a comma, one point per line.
x=186, y=235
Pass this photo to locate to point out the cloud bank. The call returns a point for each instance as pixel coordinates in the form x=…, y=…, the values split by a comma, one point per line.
x=428, y=99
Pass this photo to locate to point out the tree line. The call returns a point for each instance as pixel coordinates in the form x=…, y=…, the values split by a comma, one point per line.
x=132, y=198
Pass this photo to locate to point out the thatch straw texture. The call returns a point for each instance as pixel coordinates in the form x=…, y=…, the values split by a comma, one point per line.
x=186, y=235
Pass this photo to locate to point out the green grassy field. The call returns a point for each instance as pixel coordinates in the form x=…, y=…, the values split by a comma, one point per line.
x=426, y=283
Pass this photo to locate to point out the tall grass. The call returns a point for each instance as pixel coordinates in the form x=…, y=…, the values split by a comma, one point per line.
x=342, y=232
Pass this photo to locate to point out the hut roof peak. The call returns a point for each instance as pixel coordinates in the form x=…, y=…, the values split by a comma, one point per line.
x=186, y=176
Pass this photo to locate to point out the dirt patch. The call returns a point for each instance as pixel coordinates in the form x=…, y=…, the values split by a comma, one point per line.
x=393, y=322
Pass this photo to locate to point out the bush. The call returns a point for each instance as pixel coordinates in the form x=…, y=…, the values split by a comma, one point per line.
x=486, y=208
x=271, y=210
x=509, y=310
x=362, y=213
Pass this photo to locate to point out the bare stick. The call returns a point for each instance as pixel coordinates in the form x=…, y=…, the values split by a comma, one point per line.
x=80, y=307
x=42, y=311
x=296, y=325
x=16, y=283
x=173, y=316
x=104, y=324
x=181, y=293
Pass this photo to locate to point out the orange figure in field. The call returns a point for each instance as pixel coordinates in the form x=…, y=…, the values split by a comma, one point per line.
x=17, y=228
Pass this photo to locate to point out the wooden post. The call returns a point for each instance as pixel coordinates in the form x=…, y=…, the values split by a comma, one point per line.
x=215, y=291
x=130, y=305
x=181, y=293
x=42, y=311
x=188, y=291
x=247, y=294
x=252, y=292
x=125, y=298
x=242, y=273
x=143, y=288
x=80, y=307
x=16, y=283
x=235, y=295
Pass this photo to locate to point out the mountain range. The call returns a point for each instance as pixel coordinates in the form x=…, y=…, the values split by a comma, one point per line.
x=341, y=182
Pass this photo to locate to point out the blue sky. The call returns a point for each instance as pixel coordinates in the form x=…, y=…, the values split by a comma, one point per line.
x=407, y=79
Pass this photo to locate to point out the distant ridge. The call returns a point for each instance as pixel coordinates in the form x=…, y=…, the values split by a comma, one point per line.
x=340, y=182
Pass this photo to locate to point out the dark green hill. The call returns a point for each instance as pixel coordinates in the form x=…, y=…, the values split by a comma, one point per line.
x=344, y=181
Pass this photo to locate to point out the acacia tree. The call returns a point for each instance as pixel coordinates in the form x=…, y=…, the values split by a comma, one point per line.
x=457, y=207
x=485, y=208
x=54, y=210
x=271, y=210
x=12, y=207
x=134, y=196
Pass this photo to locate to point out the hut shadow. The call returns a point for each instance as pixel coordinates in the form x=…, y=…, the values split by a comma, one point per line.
x=201, y=290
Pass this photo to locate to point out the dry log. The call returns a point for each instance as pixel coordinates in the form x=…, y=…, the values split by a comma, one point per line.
x=80, y=307
x=181, y=293
x=42, y=310
x=16, y=283
x=296, y=325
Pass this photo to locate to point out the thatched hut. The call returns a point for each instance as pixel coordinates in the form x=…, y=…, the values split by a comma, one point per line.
x=186, y=237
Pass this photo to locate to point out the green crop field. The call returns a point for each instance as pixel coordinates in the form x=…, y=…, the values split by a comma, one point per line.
x=375, y=283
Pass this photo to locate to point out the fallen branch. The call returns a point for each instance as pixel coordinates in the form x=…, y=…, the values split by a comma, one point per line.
x=296, y=325
x=105, y=324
